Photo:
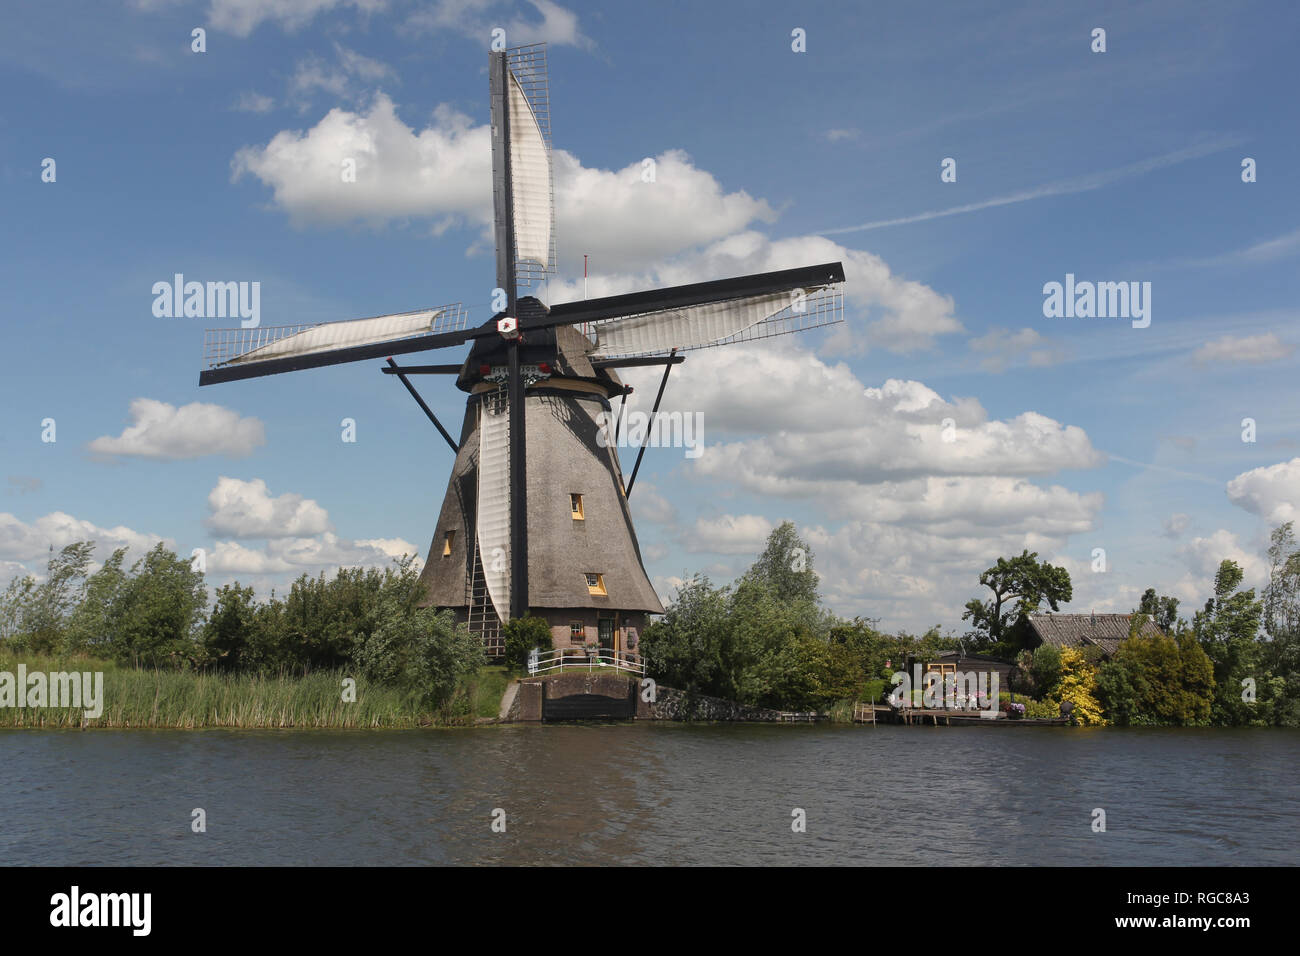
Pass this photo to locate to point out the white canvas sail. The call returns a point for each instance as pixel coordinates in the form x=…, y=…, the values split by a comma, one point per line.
x=493, y=514
x=340, y=335
x=691, y=327
x=530, y=180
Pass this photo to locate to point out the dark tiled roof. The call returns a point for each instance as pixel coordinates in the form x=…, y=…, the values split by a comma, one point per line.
x=1080, y=630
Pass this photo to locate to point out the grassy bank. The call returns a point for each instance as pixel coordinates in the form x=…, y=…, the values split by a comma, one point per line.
x=190, y=700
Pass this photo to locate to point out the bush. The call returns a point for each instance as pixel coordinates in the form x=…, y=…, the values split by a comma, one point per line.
x=1044, y=670
x=1078, y=685
x=420, y=651
x=522, y=635
x=1043, y=708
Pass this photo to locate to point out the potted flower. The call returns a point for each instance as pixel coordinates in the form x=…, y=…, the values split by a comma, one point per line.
x=1016, y=711
x=592, y=649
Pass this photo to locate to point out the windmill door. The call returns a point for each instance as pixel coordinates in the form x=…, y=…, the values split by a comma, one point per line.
x=605, y=633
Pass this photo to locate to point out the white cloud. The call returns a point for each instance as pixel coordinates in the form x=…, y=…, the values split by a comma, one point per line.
x=729, y=534
x=323, y=553
x=648, y=504
x=909, y=576
x=242, y=17
x=253, y=102
x=916, y=517
x=24, y=484
x=1202, y=557
x=812, y=426
x=882, y=309
x=28, y=542
x=1001, y=348
x=1176, y=524
x=1265, y=251
x=683, y=227
x=444, y=171
x=163, y=431
x=476, y=18
x=1272, y=492
x=350, y=76
x=625, y=222
x=246, y=509
x=1248, y=349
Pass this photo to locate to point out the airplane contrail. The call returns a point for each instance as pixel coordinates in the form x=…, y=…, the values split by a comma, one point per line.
x=1063, y=187
x=1171, y=471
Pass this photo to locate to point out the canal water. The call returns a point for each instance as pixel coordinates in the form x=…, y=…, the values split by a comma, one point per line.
x=644, y=793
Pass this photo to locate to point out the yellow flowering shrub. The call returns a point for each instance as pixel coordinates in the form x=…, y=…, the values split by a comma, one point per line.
x=1079, y=686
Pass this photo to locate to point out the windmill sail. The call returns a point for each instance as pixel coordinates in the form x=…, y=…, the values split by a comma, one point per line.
x=717, y=323
x=530, y=181
x=339, y=335
x=493, y=522
x=523, y=193
x=231, y=354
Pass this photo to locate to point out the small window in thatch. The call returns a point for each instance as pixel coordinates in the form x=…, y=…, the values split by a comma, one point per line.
x=447, y=542
x=596, y=583
x=575, y=507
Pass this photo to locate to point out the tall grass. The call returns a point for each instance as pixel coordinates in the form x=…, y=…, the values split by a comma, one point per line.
x=191, y=700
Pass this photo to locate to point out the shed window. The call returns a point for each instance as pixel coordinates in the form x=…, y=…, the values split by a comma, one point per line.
x=575, y=508
x=596, y=583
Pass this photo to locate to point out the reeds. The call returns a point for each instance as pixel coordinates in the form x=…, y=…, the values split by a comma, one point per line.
x=190, y=700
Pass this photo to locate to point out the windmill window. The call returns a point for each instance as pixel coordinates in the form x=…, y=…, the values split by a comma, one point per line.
x=596, y=583
x=575, y=508
x=447, y=543
x=577, y=631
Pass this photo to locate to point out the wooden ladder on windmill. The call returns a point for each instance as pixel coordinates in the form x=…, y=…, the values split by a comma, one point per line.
x=483, y=620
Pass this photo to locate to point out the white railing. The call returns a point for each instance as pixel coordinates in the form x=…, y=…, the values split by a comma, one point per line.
x=562, y=660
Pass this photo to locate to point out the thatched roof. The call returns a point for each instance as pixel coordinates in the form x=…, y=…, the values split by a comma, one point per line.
x=564, y=458
x=1080, y=630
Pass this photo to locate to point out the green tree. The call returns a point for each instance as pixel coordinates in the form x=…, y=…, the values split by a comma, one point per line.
x=1041, y=670
x=39, y=611
x=1227, y=629
x=1160, y=609
x=1157, y=679
x=1282, y=623
x=785, y=571
x=13, y=604
x=90, y=626
x=228, y=634
x=786, y=566
x=1121, y=690
x=1020, y=586
x=419, y=650
x=685, y=649
x=158, y=610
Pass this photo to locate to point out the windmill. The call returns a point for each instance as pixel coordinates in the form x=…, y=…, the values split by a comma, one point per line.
x=535, y=518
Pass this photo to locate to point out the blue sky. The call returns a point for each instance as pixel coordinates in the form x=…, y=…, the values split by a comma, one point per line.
x=1071, y=434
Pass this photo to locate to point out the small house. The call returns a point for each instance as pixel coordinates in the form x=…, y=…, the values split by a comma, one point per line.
x=1087, y=630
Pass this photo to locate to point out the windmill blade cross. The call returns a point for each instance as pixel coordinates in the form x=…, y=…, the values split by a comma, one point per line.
x=536, y=390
